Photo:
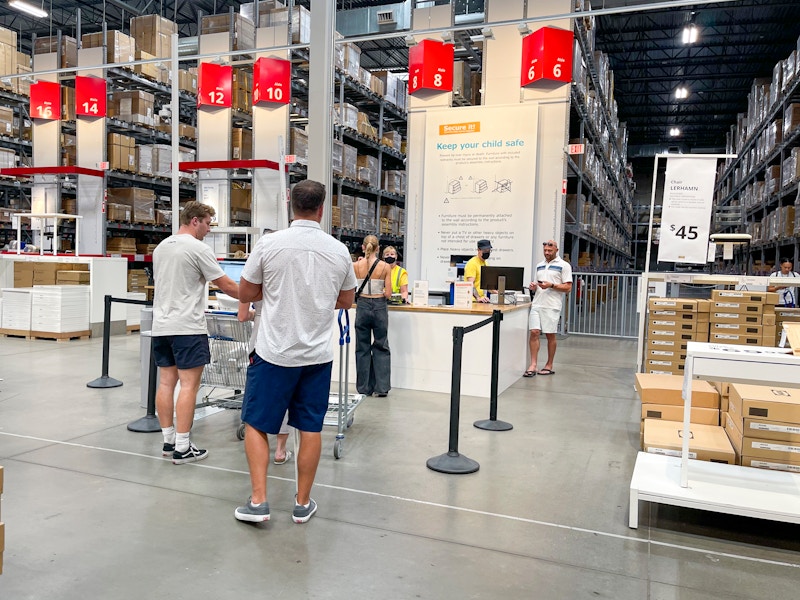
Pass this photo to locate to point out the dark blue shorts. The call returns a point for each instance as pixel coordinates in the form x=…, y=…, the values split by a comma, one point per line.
x=272, y=390
x=183, y=351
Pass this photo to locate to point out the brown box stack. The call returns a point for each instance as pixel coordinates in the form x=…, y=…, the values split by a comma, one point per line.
x=393, y=139
x=148, y=70
x=298, y=144
x=121, y=245
x=23, y=274
x=367, y=169
x=141, y=201
x=69, y=49
x=120, y=48
x=121, y=152
x=707, y=442
x=792, y=315
x=742, y=317
x=8, y=58
x=763, y=423
x=244, y=32
x=133, y=107
x=346, y=205
x=72, y=277
x=153, y=34
x=187, y=81
x=67, y=103
x=241, y=144
x=242, y=90
x=671, y=324
x=137, y=279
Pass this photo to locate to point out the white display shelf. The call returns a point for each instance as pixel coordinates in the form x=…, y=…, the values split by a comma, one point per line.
x=729, y=489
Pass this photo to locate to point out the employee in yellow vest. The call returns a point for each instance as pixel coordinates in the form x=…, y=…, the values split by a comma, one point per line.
x=399, y=274
x=472, y=270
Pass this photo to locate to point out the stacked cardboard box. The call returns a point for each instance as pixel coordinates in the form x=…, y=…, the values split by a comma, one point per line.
x=661, y=399
x=367, y=170
x=149, y=70
x=346, y=205
x=120, y=48
x=13, y=62
x=350, y=162
x=742, y=317
x=706, y=442
x=49, y=45
x=73, y=277
x=346, y=115
x=671, y=324
x=241, y=144
x=187, y=81
x=153, y=34
x=247, y=9
x=242, y=90
x=184, y=131
x=365, y=128
x=8, y=158
x=392, y=139
x=791, y=315
x=365, y=214
x=118, y=212
x=67, y=103
x=763, y=425
x=144, y=159
x=298, y=144
x=141, y=201
x=244, y=32
x=137, y=279
x=121, y=151
x=121, y=245
x=133, y=107
x=395, y=182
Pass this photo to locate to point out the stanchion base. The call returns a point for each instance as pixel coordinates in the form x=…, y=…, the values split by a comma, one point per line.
x=147, y=424
x=453, y=463
x=495, y=425
x=104, y=381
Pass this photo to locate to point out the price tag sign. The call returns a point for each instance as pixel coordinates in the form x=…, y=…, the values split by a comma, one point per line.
x=45, y=100
x=214, y=83
x=90, y=96
x=547, y=58
x=430, y=67
x=272, y=80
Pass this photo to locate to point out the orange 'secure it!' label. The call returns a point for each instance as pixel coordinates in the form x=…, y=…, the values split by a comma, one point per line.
x=453, y=128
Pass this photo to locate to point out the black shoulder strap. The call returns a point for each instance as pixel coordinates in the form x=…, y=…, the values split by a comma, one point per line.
x=366, y=279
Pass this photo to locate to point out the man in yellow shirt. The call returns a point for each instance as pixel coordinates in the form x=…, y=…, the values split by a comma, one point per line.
x=472, y=270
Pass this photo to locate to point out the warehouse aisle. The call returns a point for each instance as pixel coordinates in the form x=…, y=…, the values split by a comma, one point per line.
x=93, y=511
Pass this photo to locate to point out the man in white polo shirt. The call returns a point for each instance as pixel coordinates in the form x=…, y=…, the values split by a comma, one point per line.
x=552, y=279
x=302, y=274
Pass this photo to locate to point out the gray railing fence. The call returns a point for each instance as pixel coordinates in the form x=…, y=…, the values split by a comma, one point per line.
x=602, y=304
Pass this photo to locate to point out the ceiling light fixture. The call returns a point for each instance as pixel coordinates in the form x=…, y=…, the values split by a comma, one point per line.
x=682, y=92
x=674, y=132
x=28, y=8
x=410, y=40
x=523, y=29
x=690, y=34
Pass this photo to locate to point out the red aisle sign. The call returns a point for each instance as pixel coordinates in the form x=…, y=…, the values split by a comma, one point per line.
x=90, y=96
x=430, y=67
x=214, y=84
x=547, y=58
x=272, y=80
x=45, y=100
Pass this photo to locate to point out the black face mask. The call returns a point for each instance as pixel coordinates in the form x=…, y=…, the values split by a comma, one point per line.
x=485, y=255
x=390, y=260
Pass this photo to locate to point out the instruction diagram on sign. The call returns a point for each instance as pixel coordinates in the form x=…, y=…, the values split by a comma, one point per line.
x=479, y=177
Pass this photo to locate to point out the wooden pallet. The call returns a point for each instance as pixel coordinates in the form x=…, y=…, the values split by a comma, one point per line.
x=133, y=328
x=61, y=336
x=16, y=333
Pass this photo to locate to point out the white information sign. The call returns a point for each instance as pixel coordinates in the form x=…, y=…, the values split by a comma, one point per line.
x=419, y=293
x=686, y=210
x=463, y=294
x=479, y=183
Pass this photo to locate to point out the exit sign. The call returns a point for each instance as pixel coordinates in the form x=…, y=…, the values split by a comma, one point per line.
x=576, y=149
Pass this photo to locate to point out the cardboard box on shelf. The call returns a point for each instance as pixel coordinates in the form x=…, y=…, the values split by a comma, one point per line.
x=120, y=48
x=772, y=430
x=771, y=449
x=677, y=304
x=298, y=144
x=770, y=403
x=734, y=338
x=792, y=466
x=672, y=412
x=241, y=143
x=141, y=201
x=133, y=107
x=735, y=436
x=666, y=389
x=241, y=197
x=664, y=366
x=667, y=344
x=744, y=296
x=244, y=32
x=153, y=34
x=669, y=334
x=733, y=317
x=72, y=278
x=707, y=442
x=9, y=38
x=187, y=81
x=671, y=324
x=148, y=70
x=49, y=45
x=728, y=306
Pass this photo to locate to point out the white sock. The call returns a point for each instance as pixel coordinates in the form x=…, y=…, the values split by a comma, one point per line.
x=182, y=441
x=169, y=434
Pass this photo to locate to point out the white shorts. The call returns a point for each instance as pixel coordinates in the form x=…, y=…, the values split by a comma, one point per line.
x=544, y=319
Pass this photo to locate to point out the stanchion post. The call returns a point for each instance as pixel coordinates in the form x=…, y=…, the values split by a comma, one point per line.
x=452, y=462
x=492, y=424
x=104, y=381
x=148, y=423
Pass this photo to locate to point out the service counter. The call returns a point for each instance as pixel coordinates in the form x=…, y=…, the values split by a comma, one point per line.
x=421, y=342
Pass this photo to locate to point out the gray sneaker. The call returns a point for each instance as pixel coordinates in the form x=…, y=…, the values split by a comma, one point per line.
x=253, y=513
x=301, y=513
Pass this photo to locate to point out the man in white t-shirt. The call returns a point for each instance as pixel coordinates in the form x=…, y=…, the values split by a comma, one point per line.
x=552, y=279
x=302, y=274
x=787, y=294
x=182, y=264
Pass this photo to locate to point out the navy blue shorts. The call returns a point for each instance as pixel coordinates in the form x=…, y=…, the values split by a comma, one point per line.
x=183, y=351
x=272, y=390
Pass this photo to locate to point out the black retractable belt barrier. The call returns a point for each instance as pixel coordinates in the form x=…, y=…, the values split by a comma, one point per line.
x=148, y=423
x=104, y=381
x=492, y=424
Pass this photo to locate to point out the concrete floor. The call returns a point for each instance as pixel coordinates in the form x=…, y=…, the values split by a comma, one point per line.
x=92, y=510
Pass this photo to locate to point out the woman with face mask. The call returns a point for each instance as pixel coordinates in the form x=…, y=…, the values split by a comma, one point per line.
x=374, y=288
x=399, y=274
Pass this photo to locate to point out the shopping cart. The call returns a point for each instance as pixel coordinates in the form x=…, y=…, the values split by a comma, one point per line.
x=228, y=341
x=342, y=406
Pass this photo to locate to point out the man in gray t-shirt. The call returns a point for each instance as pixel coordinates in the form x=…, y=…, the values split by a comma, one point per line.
x=303, y=275
x=182, y=264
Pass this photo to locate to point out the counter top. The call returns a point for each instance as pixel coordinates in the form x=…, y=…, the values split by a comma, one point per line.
x=477, y=308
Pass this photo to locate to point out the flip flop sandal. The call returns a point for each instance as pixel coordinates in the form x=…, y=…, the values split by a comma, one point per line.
x=547, y=372
x=286, y=458
x=529, y=374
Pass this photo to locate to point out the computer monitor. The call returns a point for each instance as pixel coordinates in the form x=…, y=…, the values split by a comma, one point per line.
x=458, y=261
x=232, y=268
x=513, y=277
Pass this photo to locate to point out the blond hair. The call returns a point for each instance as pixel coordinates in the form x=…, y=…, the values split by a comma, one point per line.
x=388, y=248
x=370, y=245
x=193, y=209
